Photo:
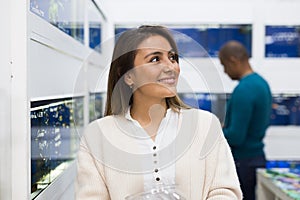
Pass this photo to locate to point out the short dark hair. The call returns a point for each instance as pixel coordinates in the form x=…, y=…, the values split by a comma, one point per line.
x=235, y=49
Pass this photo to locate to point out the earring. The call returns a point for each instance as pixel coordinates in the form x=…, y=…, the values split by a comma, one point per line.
x=131, y=86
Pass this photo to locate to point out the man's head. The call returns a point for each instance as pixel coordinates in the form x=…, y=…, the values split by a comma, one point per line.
x=234, y=57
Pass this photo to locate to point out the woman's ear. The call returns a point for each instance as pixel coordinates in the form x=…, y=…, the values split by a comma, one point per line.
x=128, y=79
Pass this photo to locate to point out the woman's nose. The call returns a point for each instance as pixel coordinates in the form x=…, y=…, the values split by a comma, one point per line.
x=169, y=64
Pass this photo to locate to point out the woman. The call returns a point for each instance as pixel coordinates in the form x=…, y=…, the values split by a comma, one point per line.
x=148, y=137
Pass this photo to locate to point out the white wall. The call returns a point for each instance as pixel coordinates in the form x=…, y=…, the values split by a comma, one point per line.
x=282, y=143
x=5, y=104
x=14, y=149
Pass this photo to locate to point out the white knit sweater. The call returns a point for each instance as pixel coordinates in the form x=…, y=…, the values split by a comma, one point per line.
x=109, y=164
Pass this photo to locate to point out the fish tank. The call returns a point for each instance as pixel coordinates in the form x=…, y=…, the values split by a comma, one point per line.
x=56, y=126
x=96, y=105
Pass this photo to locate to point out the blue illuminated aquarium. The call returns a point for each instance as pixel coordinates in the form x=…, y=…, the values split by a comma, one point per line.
x=206, y=40
x=96, y=106
x=285, y=107
x=55, y=130
x=285, y=110
x=95, y=36
x=212, y=102
x=199, y=100
x=282, y=41
x=66, y=15
x=95, y=27
x=211, y=38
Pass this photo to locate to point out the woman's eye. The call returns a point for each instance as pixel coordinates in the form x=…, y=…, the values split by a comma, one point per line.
x=173, y=57
x=154, y=59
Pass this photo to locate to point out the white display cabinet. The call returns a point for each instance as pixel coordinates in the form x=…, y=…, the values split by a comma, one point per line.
x=64, y=44
x=47, y=55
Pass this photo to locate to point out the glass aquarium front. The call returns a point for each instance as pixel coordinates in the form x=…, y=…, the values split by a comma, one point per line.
x=95, y=27
x=205, y=40
x=282, y=41
x=66, y=15
x=56, y=126
x=212, y=102
x=96, y=106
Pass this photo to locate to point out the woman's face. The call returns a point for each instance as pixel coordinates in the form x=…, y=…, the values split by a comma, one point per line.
x=155, y=73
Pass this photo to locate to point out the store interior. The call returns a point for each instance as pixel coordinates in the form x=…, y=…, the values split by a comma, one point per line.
x=57, y=55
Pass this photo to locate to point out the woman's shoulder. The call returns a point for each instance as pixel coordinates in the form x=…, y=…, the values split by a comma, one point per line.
x=198, y=113
x=201, y=120
x=103, y=119
x=204, y=129
x=98, y=128
x=98, y=123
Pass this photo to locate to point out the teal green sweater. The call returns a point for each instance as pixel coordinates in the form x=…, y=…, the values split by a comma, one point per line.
x=247, y=116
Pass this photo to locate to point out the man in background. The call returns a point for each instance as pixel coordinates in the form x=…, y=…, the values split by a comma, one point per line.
x=247, y=115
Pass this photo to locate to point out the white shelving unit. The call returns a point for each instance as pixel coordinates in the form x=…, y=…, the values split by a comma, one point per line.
x=39, y=62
